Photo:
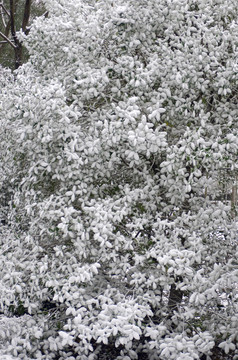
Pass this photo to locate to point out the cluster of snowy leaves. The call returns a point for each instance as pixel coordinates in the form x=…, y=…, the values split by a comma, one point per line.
x=120, y=145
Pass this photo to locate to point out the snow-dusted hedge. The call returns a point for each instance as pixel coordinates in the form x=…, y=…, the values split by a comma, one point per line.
x=119, y=142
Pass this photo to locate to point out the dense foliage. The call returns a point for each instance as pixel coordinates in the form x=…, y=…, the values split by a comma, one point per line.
x=120, y=145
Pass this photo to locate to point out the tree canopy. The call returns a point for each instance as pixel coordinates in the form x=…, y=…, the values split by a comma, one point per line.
x=119, y=142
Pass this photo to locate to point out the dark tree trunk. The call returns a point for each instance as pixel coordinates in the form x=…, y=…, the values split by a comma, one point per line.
x=26, y=16
x=17, y=47
x=18, y=56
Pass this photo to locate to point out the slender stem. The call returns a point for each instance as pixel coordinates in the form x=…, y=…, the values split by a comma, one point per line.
x=5, y=10
x=8, y=40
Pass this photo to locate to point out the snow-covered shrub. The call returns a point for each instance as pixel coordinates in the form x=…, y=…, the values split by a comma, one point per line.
x=120, y=142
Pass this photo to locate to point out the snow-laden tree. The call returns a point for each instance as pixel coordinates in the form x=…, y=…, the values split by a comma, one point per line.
x=119, y=139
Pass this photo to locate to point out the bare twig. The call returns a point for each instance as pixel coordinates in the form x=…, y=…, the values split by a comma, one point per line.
x=3, y=20
x=5, y=10
x=7, y=40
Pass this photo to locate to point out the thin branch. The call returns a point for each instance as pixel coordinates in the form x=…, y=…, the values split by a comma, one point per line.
x=6, y=33
x=3, y=20
x=7, y=40
x=5, y=10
